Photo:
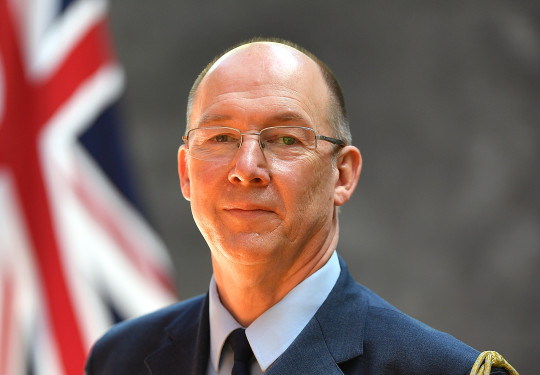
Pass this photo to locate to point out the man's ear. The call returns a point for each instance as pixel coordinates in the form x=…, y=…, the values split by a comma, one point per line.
x=349, y=165
x=183, y=172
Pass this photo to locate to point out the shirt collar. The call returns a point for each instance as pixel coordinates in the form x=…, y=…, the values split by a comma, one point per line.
x=272, y=332
x=222, y=324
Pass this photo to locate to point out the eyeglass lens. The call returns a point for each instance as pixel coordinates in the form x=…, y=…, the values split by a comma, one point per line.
x=221, y=143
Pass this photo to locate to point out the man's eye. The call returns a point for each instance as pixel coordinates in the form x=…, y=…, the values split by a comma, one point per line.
x=288, y=141
x=223, y=138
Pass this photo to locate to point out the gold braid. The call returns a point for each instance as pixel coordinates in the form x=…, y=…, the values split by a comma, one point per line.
x=486, y=360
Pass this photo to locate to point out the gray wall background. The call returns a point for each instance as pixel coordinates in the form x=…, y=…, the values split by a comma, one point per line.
x=443, y=98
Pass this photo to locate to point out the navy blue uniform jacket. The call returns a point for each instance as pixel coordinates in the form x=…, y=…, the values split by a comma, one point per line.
x=354, y=332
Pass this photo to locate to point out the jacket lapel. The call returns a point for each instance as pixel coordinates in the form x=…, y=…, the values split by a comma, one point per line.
x=334, y=335
x=342, y=318
x=308, y=354
x=188, y=346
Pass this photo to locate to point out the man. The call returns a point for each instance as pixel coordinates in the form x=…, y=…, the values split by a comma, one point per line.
x=266, y=163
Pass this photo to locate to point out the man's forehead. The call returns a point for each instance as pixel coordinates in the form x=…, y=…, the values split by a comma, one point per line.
x=267, y=71
x=270, y=52
x=262, y=63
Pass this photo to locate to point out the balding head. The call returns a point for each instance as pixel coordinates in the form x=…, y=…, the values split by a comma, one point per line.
x=283, y=58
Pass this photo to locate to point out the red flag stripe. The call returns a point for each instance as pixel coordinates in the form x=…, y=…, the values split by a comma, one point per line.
x=7, y=283
x=88, y=56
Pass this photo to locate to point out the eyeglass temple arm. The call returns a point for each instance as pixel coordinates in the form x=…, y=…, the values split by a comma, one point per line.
x=331, y=140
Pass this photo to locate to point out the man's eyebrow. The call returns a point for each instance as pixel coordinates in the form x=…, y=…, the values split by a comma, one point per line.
x=209, y=118
x=272, y=120
x=286, y=117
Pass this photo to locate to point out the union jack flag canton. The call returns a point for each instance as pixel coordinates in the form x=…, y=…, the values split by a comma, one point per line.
x=75, y=253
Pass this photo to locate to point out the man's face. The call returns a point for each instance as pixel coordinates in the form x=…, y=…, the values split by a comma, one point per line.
x=255, y=209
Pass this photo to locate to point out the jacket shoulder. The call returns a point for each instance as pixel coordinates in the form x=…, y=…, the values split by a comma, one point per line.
x=366, y=334
x=128, y=343
x=405, y=345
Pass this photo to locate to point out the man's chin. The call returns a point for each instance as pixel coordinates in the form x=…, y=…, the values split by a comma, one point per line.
x=249, y=248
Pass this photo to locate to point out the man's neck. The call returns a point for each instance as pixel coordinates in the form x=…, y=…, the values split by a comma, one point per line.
x=248, y=291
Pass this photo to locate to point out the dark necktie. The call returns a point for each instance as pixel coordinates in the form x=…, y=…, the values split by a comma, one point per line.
x=242, y=352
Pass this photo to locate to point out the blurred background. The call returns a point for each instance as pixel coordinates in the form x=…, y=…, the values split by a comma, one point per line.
x=444, y=103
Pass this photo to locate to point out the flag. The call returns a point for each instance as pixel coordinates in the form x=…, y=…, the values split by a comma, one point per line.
x=76, y=255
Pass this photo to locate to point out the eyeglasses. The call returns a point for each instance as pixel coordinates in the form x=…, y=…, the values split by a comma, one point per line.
x=219, y=143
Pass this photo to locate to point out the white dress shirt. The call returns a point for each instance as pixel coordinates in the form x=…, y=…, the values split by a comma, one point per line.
x=275, y=330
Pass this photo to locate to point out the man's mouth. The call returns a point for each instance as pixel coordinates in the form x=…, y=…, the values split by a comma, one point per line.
x=247, y=211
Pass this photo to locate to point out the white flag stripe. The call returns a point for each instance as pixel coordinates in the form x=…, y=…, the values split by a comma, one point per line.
x=82, y=108
x=16, y=265
x=46, y=357
x=51, y=42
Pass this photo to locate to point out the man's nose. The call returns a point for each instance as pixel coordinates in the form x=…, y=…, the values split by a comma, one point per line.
x=250, y=165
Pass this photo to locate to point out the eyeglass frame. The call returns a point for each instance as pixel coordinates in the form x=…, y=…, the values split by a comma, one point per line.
x=335, y=141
